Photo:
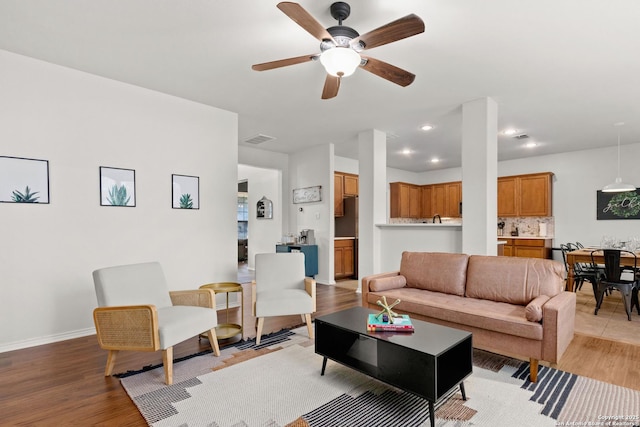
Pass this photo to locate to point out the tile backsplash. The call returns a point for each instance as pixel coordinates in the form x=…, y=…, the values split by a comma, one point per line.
x=529, y=226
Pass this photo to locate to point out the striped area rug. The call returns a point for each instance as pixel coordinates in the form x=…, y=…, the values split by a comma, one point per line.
x=278, y=384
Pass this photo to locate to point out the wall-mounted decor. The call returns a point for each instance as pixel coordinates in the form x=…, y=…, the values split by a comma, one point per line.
x=625, y=205
x=24, y=180
x=185, y=192
x=117, y=187
x=264, y=209
x=307, y=194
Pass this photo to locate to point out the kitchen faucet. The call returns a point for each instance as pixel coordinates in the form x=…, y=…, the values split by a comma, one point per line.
x=439, y=219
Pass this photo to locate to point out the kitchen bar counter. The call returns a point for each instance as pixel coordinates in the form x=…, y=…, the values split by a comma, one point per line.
x=419, y=225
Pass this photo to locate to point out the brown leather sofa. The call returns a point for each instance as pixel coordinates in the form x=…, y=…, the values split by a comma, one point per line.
x=513, y=306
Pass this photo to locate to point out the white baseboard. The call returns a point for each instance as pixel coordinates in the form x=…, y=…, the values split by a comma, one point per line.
x=33, y=342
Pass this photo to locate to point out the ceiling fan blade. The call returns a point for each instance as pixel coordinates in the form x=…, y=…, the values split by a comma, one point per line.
x=283, y=62
x=389, y=72
x=331, y=86
x=399, y=29
x=305, y=20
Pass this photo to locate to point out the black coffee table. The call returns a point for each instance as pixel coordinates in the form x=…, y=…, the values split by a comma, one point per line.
x=429, y=362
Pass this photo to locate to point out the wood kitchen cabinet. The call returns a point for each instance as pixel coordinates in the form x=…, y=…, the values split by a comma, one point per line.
x=349, y=184
x=525, y=195
x=338, y=194
x=446, y=199
x=528, y=248
x=427, y=191
x=405, y=200
x=344, y=259
x=345, y=185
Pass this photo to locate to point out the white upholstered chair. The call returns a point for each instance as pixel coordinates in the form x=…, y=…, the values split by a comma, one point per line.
x=137, y=312
x=281, y=289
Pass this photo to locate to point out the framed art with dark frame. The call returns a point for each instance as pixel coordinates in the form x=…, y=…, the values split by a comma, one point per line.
x=24, y=180
x=185, y=192
x=117, y=187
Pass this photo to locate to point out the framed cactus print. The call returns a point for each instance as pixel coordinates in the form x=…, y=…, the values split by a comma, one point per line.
x=185, y=192
x=117, y=187
x=24, y=180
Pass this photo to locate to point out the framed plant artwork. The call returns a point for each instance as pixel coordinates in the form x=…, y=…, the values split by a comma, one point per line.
x=24, y=180
x=185, y=192
x=117, y=187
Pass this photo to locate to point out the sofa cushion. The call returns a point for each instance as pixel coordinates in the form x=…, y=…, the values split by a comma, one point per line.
x=386, y=283
x=435, y=271
x=513, y=280
x=533, y=310
x=490, y=315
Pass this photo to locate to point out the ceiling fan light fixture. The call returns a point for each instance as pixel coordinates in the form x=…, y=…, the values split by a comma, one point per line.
x=340, y=61
x=618, y=186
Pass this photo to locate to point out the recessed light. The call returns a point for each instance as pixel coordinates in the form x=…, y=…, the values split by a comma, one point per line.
x=435, y=160
x=406, y=151
x=426, y=127
x=530, y=144
x=510, y=132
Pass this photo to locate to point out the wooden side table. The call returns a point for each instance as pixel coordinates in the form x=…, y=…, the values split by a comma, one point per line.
x=228, y=330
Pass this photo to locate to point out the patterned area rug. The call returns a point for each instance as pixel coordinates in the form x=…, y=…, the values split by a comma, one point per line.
x=278, y=384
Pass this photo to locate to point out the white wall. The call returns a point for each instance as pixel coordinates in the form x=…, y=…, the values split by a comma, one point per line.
x=263, y=233
x=308, y=168
x=79, y=122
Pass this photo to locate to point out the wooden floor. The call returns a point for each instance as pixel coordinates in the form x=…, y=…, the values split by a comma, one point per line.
x=62, y=384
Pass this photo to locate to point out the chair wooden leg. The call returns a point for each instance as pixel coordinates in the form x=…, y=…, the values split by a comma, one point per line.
x=213, y=340
x=259, y=332
x=309, y=325
x=533, y=370
x=111, y=361
x=167, y=360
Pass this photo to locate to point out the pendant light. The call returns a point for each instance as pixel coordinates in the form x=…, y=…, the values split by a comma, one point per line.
x=618, y=185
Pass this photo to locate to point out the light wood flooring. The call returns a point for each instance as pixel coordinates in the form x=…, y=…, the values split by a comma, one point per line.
x=63, y=383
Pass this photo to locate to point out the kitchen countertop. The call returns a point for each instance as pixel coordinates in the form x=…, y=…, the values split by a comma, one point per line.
x=344, y=238
x=526, y=237
x=419, y=225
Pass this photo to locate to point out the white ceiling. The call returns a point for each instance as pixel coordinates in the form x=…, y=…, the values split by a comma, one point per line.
x=561, y=71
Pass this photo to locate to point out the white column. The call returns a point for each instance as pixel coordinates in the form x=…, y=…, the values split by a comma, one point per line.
x=372, y=191
x=479, y=176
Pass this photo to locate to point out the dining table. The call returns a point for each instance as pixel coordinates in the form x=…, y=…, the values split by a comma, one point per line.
x=584, y=256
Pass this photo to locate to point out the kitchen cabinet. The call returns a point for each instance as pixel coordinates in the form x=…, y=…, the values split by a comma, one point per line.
x=405, y=200
x=528, y=248
x=338, y=194
x=344, y=185
x=525, y=195
x=349, y=184
x=344, y=258
x=426, y=193
x=446, y=199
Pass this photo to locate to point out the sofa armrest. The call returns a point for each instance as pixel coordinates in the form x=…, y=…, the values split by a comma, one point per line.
x=132, y=327
x=196, y=297
x=310, y=286
x=558, y=322
x=366, y=280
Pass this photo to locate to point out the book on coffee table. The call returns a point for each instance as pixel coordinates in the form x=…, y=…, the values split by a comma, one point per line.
x=400, y=323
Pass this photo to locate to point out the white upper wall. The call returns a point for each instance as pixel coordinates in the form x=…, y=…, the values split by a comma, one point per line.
x=79, y=122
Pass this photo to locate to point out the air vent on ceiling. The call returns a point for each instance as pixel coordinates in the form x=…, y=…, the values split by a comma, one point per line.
x=259, y=139
x=521, y=136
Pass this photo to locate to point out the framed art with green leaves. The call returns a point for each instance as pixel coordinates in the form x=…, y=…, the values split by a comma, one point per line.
x=24, y=180
x=185, y=192
x=623, y=205
x=117, y=187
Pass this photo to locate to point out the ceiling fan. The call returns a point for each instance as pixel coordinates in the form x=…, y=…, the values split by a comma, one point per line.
x=340, y=46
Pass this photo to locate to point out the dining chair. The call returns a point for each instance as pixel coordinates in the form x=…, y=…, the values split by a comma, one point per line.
x=612, y=277
x=581, y=271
